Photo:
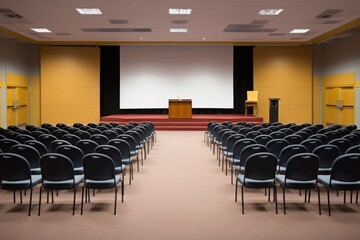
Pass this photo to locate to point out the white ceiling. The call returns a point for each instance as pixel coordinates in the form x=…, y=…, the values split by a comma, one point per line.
x=209, y=19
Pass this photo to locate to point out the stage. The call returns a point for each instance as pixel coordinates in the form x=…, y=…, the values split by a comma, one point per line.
x=198, y=122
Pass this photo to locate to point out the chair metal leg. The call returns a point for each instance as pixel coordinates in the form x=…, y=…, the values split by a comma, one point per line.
x=14, y=192
x=226, y=166
x=31, y=190
x=74, y=201
x=115, y=200
x=275, y=198
x=82, y=200
x=328, y=197
x=137, y=161
x=242, y=199
x=20, y=196
x=319, y=200
x=269, y=195
x=284, y=200
x=39, y=201
x=351, y=194
x=122, y=190
x=357, y=196
x=344, y=196
x=232, y=167
x=236, y=187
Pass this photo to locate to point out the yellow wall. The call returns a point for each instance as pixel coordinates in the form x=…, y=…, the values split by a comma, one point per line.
x=285, y=73
x=35, y=94
x=70, y=84
x=316, y=99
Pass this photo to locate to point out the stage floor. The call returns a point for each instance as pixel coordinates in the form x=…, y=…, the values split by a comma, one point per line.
x=198, y=122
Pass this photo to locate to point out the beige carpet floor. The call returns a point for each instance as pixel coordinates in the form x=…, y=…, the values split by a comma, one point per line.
x=179, y=193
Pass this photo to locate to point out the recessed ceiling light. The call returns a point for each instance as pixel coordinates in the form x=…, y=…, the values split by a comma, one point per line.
x=141, y=38
x=299, y=30
x=41, y=30
x=203, y=38
x=270, y=11
x=178, y=30
x=180, y=11
x=89, y=11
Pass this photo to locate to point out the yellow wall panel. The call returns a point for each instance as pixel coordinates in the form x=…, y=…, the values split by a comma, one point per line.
x=14, y=79
x=35, y=94
x=285, y=73
x=10, y=96
x=348, y=96
x=339, y=79
x=316, y=99
x=70, y=84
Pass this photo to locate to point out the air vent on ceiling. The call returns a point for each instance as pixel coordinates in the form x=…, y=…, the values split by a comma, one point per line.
x=118, y=21
x=276, y=34
x=110, y=30
x=329, y=13
x=332, y=22
x=5, y=10
x=179, y=21
x=247, y=28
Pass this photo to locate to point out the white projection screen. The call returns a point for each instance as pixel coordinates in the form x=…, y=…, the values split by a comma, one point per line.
x=151, y=75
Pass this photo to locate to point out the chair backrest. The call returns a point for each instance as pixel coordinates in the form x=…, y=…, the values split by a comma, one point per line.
x=302, y=167
x=94, y=131
x=289, y=151
x=252, y=134
x=327, y=154
x=38, y=145
x=98, y=166
x=252, y=96
x=22, y=138
x=346, y=168
x=119, y=131
x=332, y=134
x=82, y=134
x=57, y=143
x=322, y=137
x=278, y=135
x=249, y=150
x=265, y=131
x=74, y=153
x=111, y=151
x=14, y=167
x=110, y=134
x=36, y=134
x=240, y=145
x=87, y=146
x=263, y=139
x=56, y=167
x=59, y=133
x=29, y=153
x=287, y=131
x=260, y=166
x=47, y=139
x=353, y=149
x=342, y=143
x=293, y=139
x=123, y=146
x=99, y=139
x=12, y=135
x=136, y=136
x=276, y=145
x=71, y=138
x=232, y=140
x=129, y=139
x=353, y=138
x=311, y=144
x=6, y=144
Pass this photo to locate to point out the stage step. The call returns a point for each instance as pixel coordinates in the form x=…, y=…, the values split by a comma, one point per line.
x=197, y=123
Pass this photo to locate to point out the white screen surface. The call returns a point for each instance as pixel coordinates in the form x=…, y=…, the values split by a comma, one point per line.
x=151, y=75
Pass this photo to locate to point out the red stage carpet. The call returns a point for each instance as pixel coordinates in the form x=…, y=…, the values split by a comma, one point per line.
x=198, y=122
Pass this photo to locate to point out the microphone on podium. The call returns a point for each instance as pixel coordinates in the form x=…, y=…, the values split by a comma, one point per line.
x=179, y=98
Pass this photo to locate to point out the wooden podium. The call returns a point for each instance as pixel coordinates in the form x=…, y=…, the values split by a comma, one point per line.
x=180, y=108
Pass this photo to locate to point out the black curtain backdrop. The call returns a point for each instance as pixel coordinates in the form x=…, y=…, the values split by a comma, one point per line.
x=110, y=83
x=109, y=80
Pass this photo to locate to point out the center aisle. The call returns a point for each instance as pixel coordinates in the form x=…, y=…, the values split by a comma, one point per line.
x=179, y=193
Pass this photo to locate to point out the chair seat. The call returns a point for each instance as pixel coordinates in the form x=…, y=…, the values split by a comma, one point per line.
x=67, y=184
x=240, y=169
x=324, y=171
x=290, y=183
x=78, y=170
x=234, y=161
x=126, y=161
x=35, y=171
x=254, y=183
x=102, y=184
x=335, y=184
x=228, y=154
x=19, y=185
x=121, y=169
x=281, y=170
